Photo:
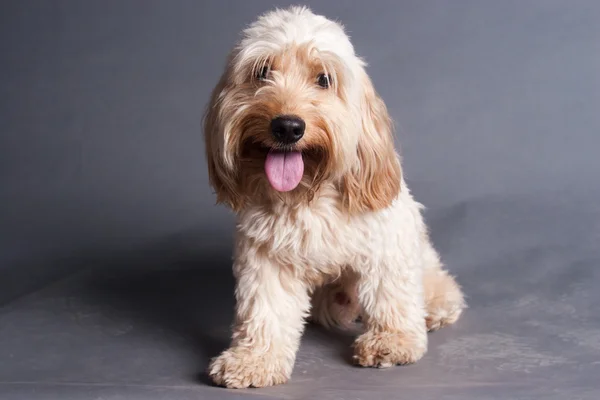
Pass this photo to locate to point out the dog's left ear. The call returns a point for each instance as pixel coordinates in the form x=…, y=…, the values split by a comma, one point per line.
x=374, y=181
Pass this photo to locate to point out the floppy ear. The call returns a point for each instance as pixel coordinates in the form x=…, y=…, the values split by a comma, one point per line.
x=222, y=176
x=374, y=181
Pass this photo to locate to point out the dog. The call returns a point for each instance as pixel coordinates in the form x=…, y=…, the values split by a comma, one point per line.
x=301, y=147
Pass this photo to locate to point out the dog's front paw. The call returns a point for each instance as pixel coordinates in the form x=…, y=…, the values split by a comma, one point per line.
x=240, y=367
x=385, y=349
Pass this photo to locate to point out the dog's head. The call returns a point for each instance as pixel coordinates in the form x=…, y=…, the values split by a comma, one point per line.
x=295, y=108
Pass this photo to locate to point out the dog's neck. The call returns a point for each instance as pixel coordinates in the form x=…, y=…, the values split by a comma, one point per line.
x=301, y=200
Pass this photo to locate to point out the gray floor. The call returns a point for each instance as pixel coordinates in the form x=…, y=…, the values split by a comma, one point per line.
x=115, y=277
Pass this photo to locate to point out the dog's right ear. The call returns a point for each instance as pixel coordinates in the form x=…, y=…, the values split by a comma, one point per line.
x=222, y=174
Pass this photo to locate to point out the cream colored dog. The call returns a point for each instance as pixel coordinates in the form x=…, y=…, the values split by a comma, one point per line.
x=301, y=147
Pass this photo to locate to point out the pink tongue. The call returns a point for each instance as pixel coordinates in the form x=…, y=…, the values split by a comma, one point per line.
x=284, y=169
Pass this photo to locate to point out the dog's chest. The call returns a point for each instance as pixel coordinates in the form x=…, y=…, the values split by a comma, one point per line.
x=322, y=235
x=316, y=235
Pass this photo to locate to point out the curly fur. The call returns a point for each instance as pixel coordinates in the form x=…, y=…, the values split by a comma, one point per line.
x=350, y=240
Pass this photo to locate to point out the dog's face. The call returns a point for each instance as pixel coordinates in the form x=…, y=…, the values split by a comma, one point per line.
x=294, y=109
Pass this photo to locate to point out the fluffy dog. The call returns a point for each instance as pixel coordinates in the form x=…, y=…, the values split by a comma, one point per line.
x=300, y=145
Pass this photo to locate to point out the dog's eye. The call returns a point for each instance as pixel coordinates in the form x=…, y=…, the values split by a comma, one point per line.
x=324, y=81
x=262, y=73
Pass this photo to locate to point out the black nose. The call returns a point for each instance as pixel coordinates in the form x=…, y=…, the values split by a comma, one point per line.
x=287, y=129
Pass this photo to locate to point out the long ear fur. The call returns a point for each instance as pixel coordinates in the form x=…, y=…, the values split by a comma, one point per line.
x=223, y=178
x=374, y=182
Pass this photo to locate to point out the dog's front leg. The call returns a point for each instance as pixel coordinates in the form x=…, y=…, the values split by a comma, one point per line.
x=390, y=294
x=270, y=312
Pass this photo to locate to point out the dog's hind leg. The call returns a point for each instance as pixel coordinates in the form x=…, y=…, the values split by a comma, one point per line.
x=444, y=300
x=336, y=304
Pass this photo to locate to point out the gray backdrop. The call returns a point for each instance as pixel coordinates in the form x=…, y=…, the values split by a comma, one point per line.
x=114, y=263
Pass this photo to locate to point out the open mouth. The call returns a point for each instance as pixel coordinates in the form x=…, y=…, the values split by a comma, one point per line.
x=284, y=168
